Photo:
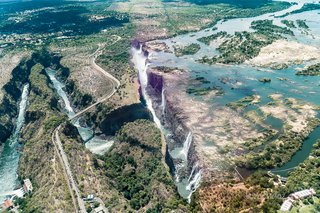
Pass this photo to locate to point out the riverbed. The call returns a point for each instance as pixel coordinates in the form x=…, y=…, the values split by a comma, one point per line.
x=95, y=144
x=9, y=159
x=240, y=81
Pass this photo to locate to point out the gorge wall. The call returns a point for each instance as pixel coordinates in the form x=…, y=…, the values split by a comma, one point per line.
x=181, y=154
x=12, y=93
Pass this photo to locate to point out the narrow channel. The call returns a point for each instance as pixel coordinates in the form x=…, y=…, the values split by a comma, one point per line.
x=95, y=144
x=301, y=155
x=9, y=160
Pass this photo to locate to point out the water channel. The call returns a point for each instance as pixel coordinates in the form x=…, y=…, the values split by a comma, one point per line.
x=9, y=158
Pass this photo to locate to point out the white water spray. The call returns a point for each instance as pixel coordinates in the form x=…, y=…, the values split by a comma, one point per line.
x=192, y=171
x=10, y=156
x=194, y=184
x=140, y=62
x=59, y=87
x=163, y=101
x=22, y=109
x=186, y=146
x=94, y=144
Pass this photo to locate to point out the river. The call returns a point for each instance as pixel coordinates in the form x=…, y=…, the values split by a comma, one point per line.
x=10, y=154
x=186, y=185
x=304, y=88
x=94, y=143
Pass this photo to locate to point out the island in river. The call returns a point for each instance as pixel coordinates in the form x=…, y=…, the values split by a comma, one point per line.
x=158, y=109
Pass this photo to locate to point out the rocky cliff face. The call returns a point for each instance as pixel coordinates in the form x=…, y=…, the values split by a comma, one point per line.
x=39, y=161
x=12, y=93
x=13, y=90
x=172, y=117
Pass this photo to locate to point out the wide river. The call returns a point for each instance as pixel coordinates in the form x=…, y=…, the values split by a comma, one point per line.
x=303, y=88
x=243, y=78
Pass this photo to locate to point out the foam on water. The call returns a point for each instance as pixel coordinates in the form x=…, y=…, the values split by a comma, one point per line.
x=163, y=101
x=140, y=61
x=194, y=184
x=94, y=144
x=186, y=146
x=9, y=159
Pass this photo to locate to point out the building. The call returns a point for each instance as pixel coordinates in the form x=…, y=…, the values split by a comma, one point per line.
x=100, y=209
x=303, y=194
x=27, y=186
x=8, y=204
x=286, y=205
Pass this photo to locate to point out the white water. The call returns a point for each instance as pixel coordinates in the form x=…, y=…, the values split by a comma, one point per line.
x=140, y=62
x=22, y=111
x=163, y=101
x=59, y=87
x=187, y=185
x=194, y=184
x=192, y=171
x=186, y=146
x=94, y=144
x=99, y=146
x=9, y=160
x=185, y=188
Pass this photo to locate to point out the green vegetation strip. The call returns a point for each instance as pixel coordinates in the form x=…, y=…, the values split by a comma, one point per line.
x=313, y=70
x=247, y=45
x=187, y=50
x=208, y=39
x=280, y=151
x=135, y=168
x=304, y=177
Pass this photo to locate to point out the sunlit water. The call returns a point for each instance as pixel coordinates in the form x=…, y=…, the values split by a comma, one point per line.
x=9, y=159
x=243, y=80
x=93, y=143
x=185, y=185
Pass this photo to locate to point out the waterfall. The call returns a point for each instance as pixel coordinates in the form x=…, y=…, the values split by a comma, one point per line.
x=194, y=184
x=192, y=171
x=140, y=62
x=93, y=143
x=186, y=146
x=9, y=159
x=163, y=101
x=185, y=186
x=85, y=133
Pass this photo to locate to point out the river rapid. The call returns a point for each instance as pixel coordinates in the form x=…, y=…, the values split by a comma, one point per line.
x=10, y=154
x=303, y=88
x=94, y=143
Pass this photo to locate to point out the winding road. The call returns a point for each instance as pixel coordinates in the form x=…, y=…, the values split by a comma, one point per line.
x=73, y=188
x=115, y=82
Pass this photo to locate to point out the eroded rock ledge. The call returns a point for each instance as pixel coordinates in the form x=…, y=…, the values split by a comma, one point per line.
x=182, y=113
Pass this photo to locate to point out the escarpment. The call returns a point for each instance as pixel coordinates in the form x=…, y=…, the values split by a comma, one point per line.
x=12, y=93
x=164, y=102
